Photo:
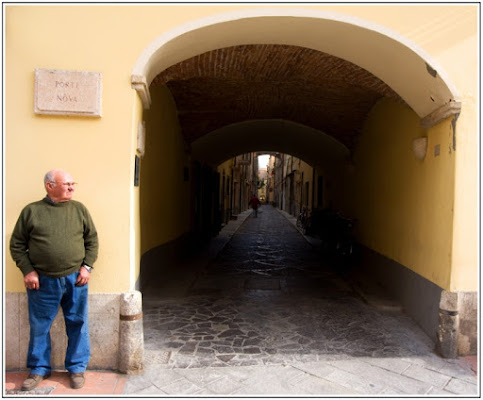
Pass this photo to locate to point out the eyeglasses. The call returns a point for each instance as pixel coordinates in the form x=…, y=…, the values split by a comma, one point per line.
x=69, y=184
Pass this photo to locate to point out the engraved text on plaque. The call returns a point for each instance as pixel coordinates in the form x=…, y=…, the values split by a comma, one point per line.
x=68, y=92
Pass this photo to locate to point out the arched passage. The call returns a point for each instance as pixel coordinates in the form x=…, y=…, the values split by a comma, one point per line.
x=421, y=84
x=270, y=135
x=376, y=49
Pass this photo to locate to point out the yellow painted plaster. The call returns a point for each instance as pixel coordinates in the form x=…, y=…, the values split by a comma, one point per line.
x=225, y=169
x=307, y=171
x=99, y=152
x=165, y=196
x=135, y=238
x=404, y=206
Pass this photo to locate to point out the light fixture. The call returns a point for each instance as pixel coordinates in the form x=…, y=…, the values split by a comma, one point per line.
x=420, y=147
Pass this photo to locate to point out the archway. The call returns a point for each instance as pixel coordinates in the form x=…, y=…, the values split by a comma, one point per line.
x=288, y=137
x=422, y=85
x=376, y=49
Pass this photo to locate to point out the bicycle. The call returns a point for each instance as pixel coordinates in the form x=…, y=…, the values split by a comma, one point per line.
x=303, y=220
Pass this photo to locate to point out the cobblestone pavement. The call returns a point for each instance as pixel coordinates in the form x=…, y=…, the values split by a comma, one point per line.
x=270, y=306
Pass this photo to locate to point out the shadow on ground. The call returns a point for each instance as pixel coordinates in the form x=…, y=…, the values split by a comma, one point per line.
x=270, y=298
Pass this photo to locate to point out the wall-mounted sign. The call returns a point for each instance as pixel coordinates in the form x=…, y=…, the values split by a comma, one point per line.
x=68, y=93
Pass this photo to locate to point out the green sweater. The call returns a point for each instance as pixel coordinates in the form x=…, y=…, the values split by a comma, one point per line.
x=54, y=239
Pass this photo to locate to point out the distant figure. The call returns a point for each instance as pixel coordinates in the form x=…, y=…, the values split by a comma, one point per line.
x=254, y=203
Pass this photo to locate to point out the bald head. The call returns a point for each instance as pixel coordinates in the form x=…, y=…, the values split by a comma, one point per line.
x=59, y=185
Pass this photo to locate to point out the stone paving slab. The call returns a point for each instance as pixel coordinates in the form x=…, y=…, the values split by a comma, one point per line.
x=426, y=375
x=312, y=385
x=336, y=377
x=460, y=387
x=387, y=379
x=268, y=316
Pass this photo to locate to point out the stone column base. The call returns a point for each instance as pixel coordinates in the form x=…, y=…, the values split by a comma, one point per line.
x=131, y=344
x=457, y=330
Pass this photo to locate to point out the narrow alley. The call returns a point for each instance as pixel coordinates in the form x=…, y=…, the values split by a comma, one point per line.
x=269, y=302
x=353, y=127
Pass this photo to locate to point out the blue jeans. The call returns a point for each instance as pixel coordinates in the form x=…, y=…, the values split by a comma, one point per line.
x=43, y=306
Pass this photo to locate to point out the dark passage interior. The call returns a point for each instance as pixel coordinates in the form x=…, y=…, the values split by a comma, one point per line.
x=269, y=297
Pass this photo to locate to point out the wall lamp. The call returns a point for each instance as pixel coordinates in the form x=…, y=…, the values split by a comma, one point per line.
x=420, y=147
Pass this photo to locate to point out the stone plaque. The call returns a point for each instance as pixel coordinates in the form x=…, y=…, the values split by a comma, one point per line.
x=68, y=92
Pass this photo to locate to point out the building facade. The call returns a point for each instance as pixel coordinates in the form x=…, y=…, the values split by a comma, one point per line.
x=143, y=103
x=239, y=178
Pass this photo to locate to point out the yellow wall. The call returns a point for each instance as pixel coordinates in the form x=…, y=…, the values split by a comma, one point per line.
x=307, y=170
x=404, y=206
x=461, y=60
x=99, y=152
x=465, y=244
x=226, y=167
x=55, y=37
x=135, y=238
x=165, y=196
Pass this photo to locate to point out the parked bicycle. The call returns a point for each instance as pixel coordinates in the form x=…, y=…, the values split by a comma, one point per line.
x=333, y=228
x=303, y=220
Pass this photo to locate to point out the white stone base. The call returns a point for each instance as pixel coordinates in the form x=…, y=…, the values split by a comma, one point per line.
x=104, y=329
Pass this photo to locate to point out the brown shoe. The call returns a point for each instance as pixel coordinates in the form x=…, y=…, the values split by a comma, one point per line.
x=77, y=380
x=33, y=381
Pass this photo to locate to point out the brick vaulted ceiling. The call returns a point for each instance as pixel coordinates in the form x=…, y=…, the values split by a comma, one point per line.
x=253, y=82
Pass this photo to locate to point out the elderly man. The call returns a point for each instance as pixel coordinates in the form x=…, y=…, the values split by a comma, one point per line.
x=54, y=243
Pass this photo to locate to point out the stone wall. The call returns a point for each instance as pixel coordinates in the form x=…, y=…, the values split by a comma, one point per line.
x=105, y=323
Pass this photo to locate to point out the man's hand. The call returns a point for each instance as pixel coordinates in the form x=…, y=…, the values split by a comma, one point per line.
x=31, y=280
x=83, y=277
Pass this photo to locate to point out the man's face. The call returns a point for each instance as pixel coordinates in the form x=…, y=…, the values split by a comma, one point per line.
x=62, y=188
